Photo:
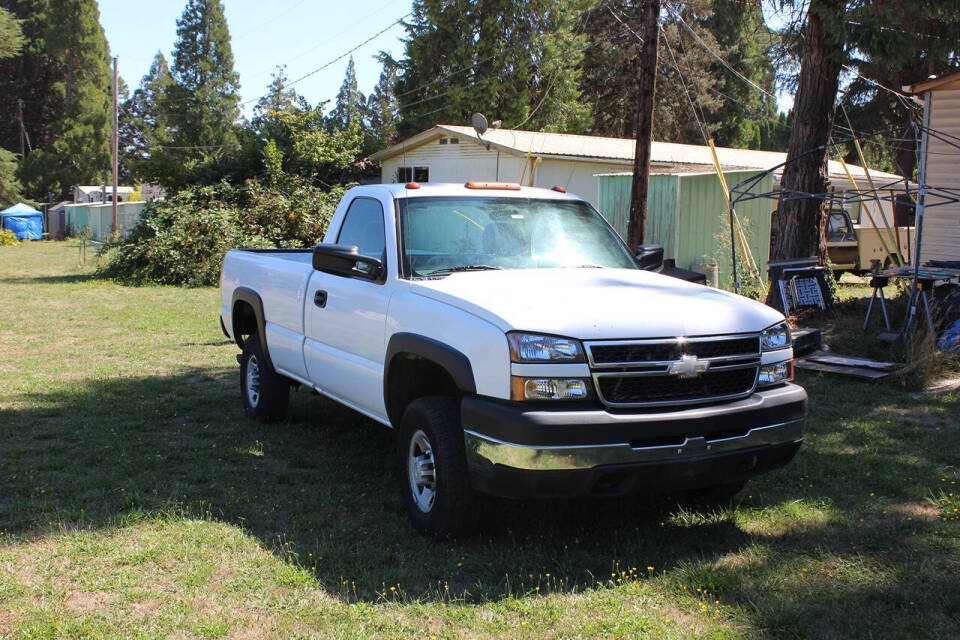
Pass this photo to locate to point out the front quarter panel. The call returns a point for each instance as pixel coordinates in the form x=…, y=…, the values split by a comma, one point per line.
x=484, y=344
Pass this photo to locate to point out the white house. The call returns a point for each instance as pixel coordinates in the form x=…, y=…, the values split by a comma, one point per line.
x=87, y=194
x=450, y=153
x=941, y=217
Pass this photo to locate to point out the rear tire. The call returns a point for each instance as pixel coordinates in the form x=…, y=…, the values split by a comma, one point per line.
x=433, y=477
x=265, y=393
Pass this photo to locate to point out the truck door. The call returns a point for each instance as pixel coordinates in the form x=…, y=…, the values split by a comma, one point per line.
x=345, y=318
x=841, y=241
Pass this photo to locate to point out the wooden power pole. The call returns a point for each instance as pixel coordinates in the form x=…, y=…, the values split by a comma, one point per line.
x=116, y=143
x=645, y=99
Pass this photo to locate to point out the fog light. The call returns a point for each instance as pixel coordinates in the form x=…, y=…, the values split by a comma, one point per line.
x=549, y=388
x=775, y=373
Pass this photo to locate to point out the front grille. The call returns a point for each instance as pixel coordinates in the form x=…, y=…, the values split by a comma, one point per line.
x=636, y=373
x=669, y=389
x=661, y=350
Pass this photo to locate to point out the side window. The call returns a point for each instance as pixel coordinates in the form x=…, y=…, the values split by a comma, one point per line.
x=363, y=227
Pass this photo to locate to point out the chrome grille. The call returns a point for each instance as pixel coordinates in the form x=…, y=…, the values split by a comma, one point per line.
x=674, y=371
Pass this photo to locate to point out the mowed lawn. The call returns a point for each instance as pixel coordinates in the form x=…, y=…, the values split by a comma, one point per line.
x=137, y=501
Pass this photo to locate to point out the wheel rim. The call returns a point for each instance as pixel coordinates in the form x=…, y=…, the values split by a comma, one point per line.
x=421, y=471
x=253, y=381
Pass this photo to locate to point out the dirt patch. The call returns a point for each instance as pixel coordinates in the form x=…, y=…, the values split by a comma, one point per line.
x=915, y=511
x=84, y=601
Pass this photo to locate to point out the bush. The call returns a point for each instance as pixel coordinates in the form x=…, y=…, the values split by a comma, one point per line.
x=182, y=240
x=8, y=238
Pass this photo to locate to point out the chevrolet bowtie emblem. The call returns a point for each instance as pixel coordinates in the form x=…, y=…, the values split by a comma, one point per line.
x=688, y=367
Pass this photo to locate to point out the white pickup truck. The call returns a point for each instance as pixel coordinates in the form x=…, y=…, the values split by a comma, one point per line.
x=517, y=348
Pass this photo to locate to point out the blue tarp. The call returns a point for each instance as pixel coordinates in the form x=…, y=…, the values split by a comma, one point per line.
x=25, y=221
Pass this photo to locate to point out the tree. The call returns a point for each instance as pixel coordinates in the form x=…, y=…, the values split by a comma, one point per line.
x=896, y=44
x=798, y=221
x=203, y=104
x=11, y=35
x=350, y=105
x=144, y=123
x=685, y=75
x=279, y=97
x=63, y=75
x=515, y=61
x=382, y=104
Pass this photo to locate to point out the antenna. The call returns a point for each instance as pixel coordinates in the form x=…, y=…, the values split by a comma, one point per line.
x=479, y=122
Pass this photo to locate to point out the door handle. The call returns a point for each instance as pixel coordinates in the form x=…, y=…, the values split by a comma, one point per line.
x=320, y=299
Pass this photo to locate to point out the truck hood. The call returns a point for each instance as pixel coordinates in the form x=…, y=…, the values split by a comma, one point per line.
x=596, y=304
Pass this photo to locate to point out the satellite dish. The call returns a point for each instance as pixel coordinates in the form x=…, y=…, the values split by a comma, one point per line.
x=479, y=123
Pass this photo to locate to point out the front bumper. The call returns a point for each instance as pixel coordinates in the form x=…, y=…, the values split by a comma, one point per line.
x=517, y=452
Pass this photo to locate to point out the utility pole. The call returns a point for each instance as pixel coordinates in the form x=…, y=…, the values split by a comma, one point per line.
x=645, y=99
x=23, y=151
x=116, y=142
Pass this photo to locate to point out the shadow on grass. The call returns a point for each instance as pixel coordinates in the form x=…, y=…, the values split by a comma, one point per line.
x=319, y=488
x=59, y=279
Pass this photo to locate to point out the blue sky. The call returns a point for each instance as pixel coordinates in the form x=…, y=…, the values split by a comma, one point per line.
x=303, y=34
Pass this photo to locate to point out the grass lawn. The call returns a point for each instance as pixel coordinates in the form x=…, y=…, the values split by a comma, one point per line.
x=136, y=500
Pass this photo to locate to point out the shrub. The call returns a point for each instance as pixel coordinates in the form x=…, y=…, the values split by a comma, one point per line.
x=182, y=240
x=8, y=238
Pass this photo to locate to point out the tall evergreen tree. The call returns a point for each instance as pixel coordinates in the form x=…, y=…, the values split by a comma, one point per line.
x=515, y=61
x=350, y=105
x=63, y=75
x=612, y=64
x=382, y=104
x=203, y=104
x=11, y=40
x=144, y=123
x=279, y=97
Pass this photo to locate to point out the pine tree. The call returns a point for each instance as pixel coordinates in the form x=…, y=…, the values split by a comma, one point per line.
x=350, y=105
x=279, y=97
x=144, y=123
x=203, y=104
x=11, y=40
x=11, y=36
x=63, y=75
x=514, y=61
x=686, y=85
x=382, y=104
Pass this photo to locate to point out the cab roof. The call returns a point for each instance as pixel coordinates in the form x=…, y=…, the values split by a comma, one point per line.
x=426, y=189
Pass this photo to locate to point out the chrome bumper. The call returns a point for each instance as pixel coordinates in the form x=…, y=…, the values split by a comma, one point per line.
x=566, y=457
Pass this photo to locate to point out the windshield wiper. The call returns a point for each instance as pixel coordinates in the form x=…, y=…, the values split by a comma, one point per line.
x=469, y=267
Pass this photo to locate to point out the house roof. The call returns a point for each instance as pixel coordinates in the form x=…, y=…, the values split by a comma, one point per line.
x=565, y=146
x=932, y=83
x=87, y=190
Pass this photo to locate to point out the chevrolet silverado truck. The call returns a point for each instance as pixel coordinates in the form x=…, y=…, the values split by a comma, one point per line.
x=517, y=348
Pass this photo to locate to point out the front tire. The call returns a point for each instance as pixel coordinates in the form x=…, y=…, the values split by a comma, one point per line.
x=434, y=481
x=265, y=393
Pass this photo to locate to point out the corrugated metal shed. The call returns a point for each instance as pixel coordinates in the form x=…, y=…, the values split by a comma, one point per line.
x=97, y=219
x=687, y=214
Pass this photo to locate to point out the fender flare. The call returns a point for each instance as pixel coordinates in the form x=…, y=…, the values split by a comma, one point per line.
x=451, y=360
x=251, y=297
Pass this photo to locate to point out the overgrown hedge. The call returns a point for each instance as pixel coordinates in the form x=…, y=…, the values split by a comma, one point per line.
x=182, y=240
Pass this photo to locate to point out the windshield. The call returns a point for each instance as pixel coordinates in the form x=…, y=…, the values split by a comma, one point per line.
x=441, y=235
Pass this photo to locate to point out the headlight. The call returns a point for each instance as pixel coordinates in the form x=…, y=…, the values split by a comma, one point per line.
x=522, y=388
x=528, y=347
x=775, y=337
x=775, y=373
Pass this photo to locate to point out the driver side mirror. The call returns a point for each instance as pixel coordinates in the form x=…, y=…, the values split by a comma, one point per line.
x=649, y=257
x=345, y=260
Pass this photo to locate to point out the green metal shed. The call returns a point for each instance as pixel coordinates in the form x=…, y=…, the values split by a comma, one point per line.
x=687, y=213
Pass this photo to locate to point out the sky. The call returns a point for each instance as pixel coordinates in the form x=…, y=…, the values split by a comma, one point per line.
x=303, y=34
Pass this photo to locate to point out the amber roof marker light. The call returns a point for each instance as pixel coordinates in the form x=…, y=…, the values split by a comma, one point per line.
x=502, y=186
x=560, y=189
x=413, y=185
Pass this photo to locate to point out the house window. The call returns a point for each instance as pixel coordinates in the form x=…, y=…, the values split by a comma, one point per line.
x=414, y=174
x=443, y=141
x=454, y=140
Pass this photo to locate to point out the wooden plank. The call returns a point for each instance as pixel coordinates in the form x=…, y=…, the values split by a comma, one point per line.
x=851, y=361
x=856, y=372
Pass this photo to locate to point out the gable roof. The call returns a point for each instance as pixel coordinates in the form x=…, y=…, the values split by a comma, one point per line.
x=566, y=146
x=87, y=190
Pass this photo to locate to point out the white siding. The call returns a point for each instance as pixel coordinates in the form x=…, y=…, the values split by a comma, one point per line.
x=469, y=160
x=941, y=224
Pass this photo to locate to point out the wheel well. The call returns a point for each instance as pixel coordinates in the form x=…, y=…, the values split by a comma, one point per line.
x=244, y=321
x=410, y=377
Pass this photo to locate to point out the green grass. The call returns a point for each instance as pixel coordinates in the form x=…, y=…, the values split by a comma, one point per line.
x=137, y=501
